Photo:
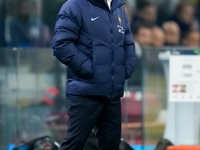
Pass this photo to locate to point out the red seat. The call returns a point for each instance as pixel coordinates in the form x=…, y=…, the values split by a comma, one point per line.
x=184, y=147
x=131, y=108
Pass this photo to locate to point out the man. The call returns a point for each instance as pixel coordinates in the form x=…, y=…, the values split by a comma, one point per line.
x=129, y=13
x=2, y=24
x=93, y=39
x=158, y=37
x=172, y=33
x=25, y=27
x=185, y=17
x=146, y=14
x=142, y=34
x=191, y=38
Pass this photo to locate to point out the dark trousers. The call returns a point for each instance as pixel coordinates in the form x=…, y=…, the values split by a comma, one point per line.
x=87, y=113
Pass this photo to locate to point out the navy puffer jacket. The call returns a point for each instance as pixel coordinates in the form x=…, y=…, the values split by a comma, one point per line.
x=97, y=46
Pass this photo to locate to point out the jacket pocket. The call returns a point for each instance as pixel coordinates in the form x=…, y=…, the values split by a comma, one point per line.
x=85, y=45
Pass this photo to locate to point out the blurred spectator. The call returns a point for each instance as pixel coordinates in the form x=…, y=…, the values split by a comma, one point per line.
x=158, y=37
x=1, y=33
x=172, y=33
x=192, y=38
x=146, y=14
x=198, y=11
x=129, y=13
x=2, y=11
x=142, y=35
x=26, y=28
x=142, y=38
x=49, y=15
x=184, y=17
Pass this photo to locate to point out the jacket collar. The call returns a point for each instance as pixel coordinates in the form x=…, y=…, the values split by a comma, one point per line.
x=103, y=4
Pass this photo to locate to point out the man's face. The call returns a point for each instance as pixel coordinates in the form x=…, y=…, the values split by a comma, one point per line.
x=149, y=14
x=143, y=37
x=172, y=35
x=158, y=37
x=187, y=14
x=192, y=39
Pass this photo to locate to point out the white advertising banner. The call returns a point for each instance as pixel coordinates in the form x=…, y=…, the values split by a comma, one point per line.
x=184, y=78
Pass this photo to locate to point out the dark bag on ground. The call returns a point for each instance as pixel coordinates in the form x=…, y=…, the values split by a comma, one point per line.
x=92, y=144
x=163, y=144
x=124, y=146
x=43, y=143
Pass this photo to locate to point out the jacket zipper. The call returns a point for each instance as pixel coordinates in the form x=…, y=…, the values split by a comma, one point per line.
x=111, y=26
x=110, y=13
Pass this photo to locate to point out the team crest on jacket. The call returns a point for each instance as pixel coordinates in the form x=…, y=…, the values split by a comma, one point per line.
x=120, y=28
x=120, y=20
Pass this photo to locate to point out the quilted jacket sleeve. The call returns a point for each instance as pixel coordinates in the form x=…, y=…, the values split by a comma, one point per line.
x=129, y=51
x=67, y=30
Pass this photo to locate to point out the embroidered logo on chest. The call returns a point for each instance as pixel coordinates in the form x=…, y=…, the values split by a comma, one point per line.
x=120, y=28
x=93, y=19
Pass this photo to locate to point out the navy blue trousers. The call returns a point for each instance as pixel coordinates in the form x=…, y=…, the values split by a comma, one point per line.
x=86, y=113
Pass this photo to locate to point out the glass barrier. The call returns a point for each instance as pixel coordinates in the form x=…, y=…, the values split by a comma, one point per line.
x=33, y=102
x=154, y=97
x=170, y=96
x=32, y=87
